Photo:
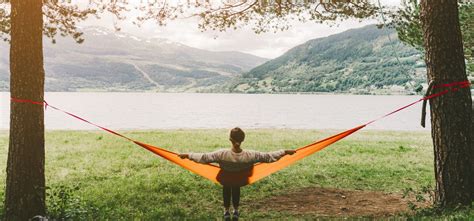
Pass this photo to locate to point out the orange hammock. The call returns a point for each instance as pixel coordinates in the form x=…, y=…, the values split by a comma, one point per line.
x=260, y=170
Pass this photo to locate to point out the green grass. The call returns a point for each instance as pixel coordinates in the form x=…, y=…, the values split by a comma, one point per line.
x=95, y=175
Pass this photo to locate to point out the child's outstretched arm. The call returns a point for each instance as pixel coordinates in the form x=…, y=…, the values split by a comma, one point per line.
x=212, y=157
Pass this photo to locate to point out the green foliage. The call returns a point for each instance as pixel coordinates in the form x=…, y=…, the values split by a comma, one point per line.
x=466, y=19
x=62, y=17
x=260, y=15
x=437, y=213
x=65, y=204
x=2, y=200
x=4, y=24
x=364, y=60
x=408, y=25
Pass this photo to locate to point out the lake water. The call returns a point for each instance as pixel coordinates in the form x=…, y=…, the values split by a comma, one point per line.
x=189, y=110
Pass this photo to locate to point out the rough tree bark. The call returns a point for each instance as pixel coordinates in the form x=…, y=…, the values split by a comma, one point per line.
x=25, y=190
x=451, y=114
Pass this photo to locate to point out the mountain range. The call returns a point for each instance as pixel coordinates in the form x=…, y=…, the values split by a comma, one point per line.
x=116, y=61
x=366, y=60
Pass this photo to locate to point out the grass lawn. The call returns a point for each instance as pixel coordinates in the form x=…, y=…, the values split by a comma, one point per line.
x=94, y=175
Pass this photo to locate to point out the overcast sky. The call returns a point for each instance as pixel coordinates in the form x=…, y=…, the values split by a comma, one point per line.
x=269, y=45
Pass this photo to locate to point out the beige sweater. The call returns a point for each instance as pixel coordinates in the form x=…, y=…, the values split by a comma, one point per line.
x=229, y=160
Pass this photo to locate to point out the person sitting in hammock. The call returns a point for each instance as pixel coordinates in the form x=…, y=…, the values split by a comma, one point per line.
x=234, y=160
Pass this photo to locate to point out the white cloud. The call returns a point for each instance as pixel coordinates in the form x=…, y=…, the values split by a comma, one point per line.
x=268, y=45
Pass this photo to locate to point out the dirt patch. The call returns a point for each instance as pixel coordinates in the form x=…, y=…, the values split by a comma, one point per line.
x=337, y=203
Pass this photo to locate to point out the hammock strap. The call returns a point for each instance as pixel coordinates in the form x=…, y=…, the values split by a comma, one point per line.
x=423, y=109
x=455, y=86
x=16, y=100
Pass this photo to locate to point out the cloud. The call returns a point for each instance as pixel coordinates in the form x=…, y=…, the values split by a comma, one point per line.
x=269, y=45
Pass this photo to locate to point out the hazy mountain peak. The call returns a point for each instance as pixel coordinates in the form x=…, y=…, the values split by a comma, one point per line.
x=120, y=35
x=119, y=61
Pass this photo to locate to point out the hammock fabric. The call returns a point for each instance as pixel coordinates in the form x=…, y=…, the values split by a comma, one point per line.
x=260, y=170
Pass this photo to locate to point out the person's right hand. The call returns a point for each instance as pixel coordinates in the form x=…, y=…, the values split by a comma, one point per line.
x=184, y=156
x=290, y=152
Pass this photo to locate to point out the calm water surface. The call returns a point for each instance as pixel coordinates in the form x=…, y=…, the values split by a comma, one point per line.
x=188, y=110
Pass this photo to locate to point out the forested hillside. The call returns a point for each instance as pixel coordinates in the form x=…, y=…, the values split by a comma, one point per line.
x=364, y=60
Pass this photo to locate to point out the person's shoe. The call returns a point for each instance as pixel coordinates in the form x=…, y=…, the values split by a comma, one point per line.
x=235, y=216
x=227, y=216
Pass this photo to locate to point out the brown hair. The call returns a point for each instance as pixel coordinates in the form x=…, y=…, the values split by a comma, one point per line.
x=237, y=136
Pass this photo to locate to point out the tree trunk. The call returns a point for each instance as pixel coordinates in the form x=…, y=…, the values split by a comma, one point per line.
x=451, y=114
x=25, y=190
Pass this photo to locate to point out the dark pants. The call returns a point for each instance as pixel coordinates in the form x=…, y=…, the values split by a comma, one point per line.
x=233, y=192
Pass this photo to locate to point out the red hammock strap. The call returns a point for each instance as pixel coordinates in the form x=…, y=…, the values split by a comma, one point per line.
x=455, y=86
x=16, y=100
x=461, y=84
x=70, y=114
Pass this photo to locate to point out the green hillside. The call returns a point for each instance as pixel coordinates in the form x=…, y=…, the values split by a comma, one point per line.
x=360, y=60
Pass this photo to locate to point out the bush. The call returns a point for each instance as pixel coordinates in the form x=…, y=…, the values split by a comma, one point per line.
x=63, y=203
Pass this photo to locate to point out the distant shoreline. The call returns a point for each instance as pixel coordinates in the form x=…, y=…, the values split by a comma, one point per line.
x=197, y=92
